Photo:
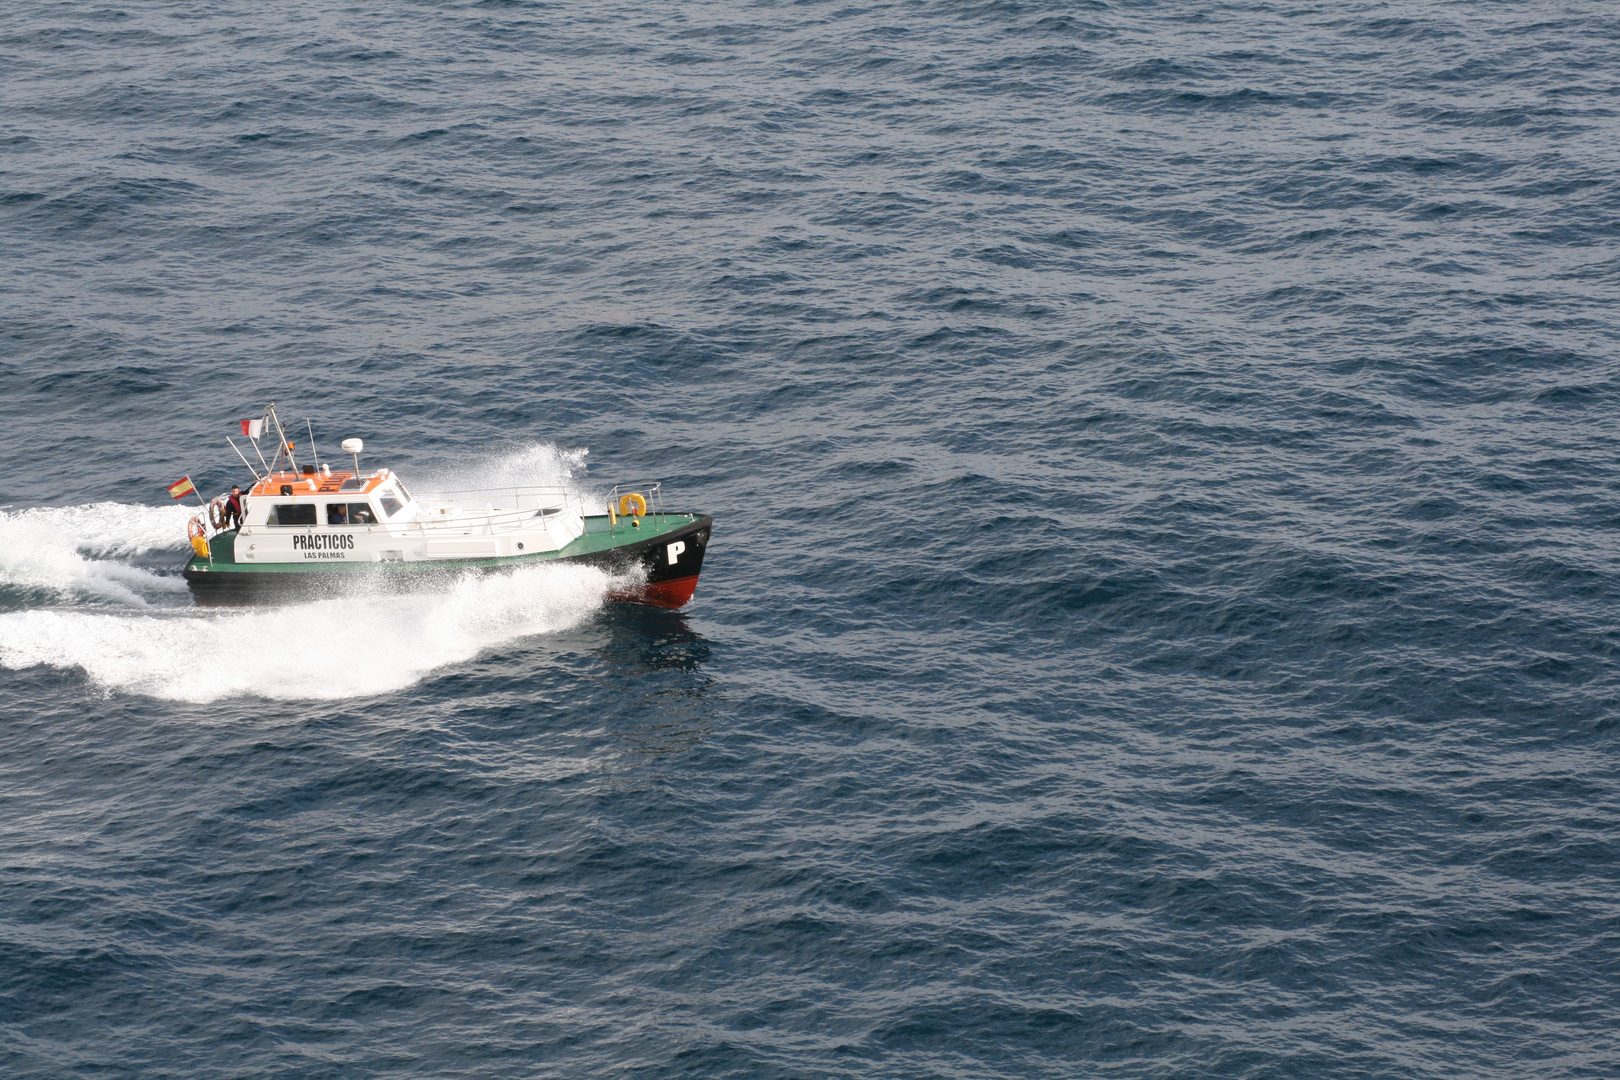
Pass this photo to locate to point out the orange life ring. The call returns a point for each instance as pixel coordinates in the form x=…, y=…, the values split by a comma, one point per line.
x=632, y=499
x=216, y=513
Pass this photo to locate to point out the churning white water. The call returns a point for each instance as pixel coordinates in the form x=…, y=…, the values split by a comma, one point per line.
x=347, y=646
x=72, y=553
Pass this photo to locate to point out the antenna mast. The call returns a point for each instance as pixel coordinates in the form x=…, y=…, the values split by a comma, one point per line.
x=281, y=433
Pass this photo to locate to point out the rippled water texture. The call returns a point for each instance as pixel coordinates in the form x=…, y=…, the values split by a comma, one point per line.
x=1160, y=618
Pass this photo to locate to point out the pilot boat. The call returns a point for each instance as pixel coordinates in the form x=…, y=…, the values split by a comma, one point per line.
x=307, y=530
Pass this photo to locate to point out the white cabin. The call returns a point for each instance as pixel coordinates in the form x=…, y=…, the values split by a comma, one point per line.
x=325, y=516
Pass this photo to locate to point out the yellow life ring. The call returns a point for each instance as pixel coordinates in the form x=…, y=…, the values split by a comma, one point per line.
x=632, y=499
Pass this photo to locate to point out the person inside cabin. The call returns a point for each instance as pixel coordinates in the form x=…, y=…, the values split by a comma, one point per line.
x=233, y=508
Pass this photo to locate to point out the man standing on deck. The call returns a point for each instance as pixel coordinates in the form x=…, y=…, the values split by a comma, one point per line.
x=233, y=508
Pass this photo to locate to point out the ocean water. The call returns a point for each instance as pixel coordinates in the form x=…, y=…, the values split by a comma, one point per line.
x=1161, y=615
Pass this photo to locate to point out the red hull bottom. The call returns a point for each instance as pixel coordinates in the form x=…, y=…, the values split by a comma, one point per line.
x=665, y=594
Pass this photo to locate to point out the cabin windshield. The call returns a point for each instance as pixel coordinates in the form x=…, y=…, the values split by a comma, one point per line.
x=390, y=505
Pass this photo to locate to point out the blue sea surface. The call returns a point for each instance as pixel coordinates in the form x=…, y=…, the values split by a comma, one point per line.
x=1161, y=613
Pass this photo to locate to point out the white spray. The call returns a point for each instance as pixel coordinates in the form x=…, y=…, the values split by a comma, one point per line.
x=63, y=551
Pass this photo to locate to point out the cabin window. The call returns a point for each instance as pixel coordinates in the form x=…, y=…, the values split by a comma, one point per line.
x=390, y=505
x=403, y=493
x=292, y=514
x=350, y=514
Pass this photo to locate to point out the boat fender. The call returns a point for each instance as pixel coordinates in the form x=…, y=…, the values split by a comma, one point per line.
x=626, y=502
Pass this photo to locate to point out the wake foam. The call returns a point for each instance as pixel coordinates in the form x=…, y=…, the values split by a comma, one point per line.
x=355, y=646
x=64, y=552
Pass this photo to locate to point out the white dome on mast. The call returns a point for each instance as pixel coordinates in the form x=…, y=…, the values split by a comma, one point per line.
x=354, y=446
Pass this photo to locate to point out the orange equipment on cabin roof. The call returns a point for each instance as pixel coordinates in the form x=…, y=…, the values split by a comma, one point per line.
x=316, y=484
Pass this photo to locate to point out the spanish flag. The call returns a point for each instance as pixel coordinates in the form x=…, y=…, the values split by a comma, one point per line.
x=181, y=488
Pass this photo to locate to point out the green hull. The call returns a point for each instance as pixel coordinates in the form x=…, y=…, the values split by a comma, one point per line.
x=220, y=579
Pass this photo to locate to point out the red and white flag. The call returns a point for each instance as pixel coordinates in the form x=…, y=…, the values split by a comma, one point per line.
x=253, y=429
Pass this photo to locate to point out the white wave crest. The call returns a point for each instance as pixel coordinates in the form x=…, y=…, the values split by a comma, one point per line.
x=354, y=646
x=54, y=549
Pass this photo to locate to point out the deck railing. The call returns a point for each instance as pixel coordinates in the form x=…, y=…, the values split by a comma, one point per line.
x=509, y=508
x=650, y=490
x=503, y=509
